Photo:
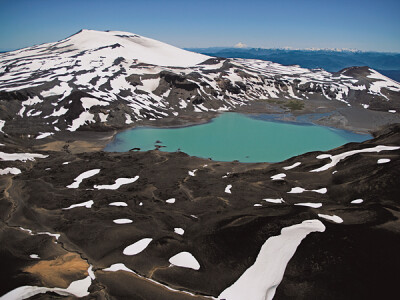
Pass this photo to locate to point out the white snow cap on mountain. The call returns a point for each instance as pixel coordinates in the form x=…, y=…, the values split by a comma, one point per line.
x=240, y=45
x=131, y=46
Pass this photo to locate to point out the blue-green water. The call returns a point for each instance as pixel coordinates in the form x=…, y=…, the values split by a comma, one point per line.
x=233, y=136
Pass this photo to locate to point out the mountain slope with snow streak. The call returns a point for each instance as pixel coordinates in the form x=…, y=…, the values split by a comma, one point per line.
x=112, y=79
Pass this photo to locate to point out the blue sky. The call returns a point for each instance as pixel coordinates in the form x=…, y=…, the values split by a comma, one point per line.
x=364, y=25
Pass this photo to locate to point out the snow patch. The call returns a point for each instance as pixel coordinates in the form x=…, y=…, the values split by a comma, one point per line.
x=191, y=173
x=185, y=260
x=149, y=85
x=118, y=204
x=87, y=204
x=87, y=103
x=117, y=184
x=278, y=176
x=260, y=281
x=43, y=135
x=57, y=113
x=280, y=200
x=333, y=218
x=128, y=119
x=179, y=231
x=383, y=160
x=228, y=189
x=137, y=247
x=296, y=164
x=78, y=180
x=20, y=156
x=103, y=117
x=83, y=119
x=309, y=204
x=122, y=221
x=335, y=159
x=172, y=200
x=357, y=201
x=13, y=171
x=2, y=123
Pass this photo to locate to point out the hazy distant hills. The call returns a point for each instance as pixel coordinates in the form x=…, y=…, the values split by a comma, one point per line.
x=329, y=60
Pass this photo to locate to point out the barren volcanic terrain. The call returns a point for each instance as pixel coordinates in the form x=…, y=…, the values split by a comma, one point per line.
x=80, y=222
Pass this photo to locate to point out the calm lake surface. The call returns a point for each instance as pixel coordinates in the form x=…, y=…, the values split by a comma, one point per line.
x=233, y=136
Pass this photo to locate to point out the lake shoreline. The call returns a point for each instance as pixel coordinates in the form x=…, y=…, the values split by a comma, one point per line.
x=236, y=136
x=357, y=120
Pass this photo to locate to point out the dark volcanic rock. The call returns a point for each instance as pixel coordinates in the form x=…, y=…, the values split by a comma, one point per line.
x=224, y=232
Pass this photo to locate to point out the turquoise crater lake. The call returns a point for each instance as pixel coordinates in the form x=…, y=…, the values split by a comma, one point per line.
x=233, y=136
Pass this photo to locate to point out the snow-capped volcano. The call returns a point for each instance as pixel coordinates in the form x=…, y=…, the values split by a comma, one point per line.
x=92, y=45
x=172, y=226
x=111, y=79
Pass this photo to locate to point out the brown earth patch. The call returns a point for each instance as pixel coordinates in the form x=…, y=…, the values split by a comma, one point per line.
x=73, y=147
x=60, y=272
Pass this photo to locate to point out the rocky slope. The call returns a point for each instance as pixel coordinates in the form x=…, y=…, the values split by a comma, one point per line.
x=86, y=213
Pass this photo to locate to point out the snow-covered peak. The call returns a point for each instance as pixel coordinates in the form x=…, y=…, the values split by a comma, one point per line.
x=79, y=81
x=91, y=45
x=130, y=46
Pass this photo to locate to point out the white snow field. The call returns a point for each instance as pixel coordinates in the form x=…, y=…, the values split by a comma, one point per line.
x=2, y=123
x=135, y=47
x=20, y=156
x=357, y=201
x=55, y=235
x=278, y=176
x=309, y=204
x=171, y=201
x=13, y=171
x=117, y=184
x=118, y=204
x=299, y=190
x=43, y=135
x=383, y=161
x=185, y=260
x=335, y=159
x=382, y=82
x=137, y=247
x=87, y=204
x=78, y=180
x=179, y=230
x=122, y=221
x=259, y=282
x=228, y=189
x=280, y=200
x=192, y=173
x=333, y=218
x=296, y=164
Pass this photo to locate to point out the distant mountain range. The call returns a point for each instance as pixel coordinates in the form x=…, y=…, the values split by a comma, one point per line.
x=329, y=60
